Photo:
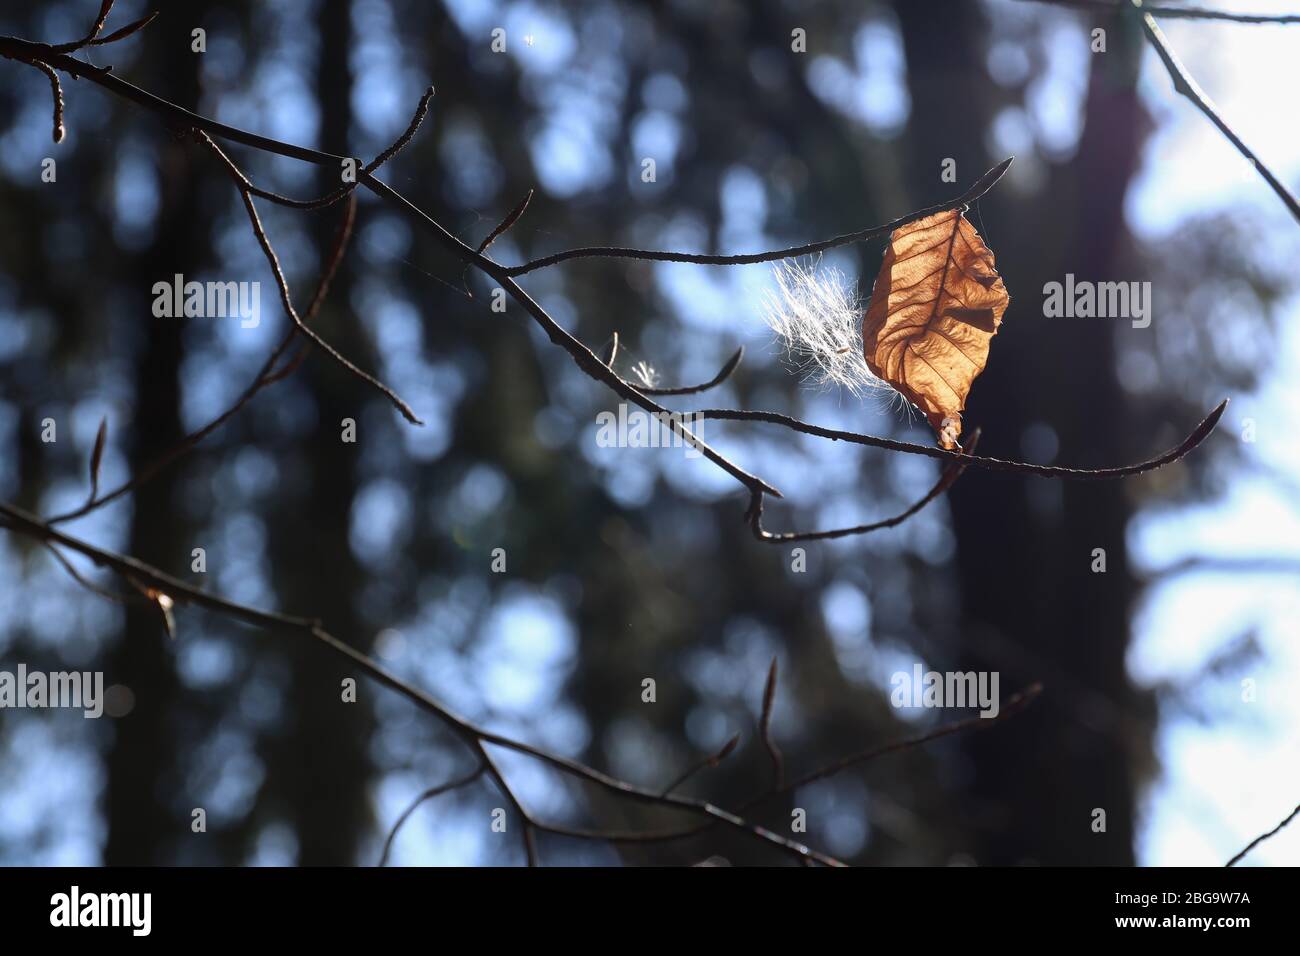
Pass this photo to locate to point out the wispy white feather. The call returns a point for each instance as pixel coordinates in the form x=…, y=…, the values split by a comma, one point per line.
x=818, y=315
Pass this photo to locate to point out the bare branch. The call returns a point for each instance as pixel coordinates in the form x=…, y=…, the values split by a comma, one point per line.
x=982, y=185
x=505, y=223
x=267, y=375
x=1183, y=81
x=1188, y=87
x=158, y=583
x=951, y=472
x=163, y=590
x=582, y=356
x=1197, y=436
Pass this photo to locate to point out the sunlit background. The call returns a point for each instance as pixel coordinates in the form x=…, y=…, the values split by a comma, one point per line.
x=627, y=563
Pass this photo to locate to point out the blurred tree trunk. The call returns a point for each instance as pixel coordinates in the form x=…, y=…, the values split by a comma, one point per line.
x=321, y=764
x=1031, y=605
x=143, y=763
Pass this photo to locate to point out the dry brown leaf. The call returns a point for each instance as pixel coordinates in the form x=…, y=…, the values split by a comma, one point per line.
x=937, y=303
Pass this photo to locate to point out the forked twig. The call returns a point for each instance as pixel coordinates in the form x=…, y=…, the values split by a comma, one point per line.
x=951, y=472
x=245, y=193
x=269, y=374
x=424, y=798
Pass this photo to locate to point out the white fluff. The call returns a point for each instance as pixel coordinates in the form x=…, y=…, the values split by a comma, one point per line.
x=818, y=316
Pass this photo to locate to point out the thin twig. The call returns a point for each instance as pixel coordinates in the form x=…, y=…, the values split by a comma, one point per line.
x=97, y=458
x=704, y=763
x=765, y=728
x=505, y=223
x=1262, y=837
